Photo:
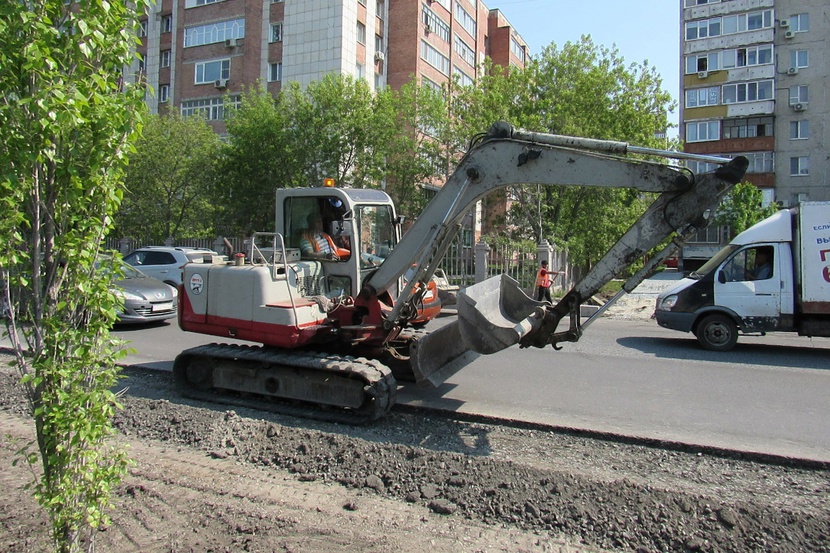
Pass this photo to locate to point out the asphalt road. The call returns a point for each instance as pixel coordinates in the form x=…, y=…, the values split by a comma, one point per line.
x=770, y=395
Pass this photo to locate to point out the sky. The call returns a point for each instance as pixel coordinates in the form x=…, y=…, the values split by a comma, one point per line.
x=642, y=30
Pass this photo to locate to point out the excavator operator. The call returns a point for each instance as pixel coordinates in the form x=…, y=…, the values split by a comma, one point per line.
x=317, y=244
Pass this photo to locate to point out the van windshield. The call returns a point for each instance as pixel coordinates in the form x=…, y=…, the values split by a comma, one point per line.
x=714, y=262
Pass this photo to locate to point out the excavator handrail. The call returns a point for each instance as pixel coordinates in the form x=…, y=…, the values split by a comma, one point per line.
x=272, y=263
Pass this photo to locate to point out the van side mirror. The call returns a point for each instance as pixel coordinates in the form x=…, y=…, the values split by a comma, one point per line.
x=722, y=276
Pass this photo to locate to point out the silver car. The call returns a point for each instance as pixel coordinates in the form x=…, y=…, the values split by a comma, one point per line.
x=165, y=263
x=146, y=299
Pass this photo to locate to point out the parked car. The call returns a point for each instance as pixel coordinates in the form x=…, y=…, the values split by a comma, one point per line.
x=146, y=299
x=165, y=263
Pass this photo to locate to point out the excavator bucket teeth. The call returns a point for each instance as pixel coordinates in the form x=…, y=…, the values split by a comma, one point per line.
x=491, y=315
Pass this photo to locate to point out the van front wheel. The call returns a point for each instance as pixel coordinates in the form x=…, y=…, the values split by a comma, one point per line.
x=717, y=333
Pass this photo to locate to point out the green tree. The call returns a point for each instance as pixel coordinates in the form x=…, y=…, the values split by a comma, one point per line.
x=170, y=180
x=67, y=121
x=419, y=151
x=334, y=128
x=343, y=129
x=581, y=90
x=742, y=207
x=258, y=157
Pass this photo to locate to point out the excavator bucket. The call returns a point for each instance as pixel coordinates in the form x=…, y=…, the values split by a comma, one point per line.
x=492, y=315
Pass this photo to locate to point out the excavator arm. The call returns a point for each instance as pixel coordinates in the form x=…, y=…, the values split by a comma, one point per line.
x=491, y=315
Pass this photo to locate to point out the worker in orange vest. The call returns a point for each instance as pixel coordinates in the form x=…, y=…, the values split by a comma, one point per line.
x=544, y=282
x=316, y=243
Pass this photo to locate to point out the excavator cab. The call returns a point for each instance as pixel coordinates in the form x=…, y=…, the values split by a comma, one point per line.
x=360, y=223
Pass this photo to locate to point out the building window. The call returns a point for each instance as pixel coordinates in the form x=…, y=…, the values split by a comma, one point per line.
x=744, y=57
x=164, y=93
x=362, y=2
x=798, y=95
x=467, y=21
x=799, y=166
x=729, y=24
x=747, y=128
x=702, y=62
x=435, y=58
x=214, y=32
x=276, y=32
x=380, y=9
x=703, y=131
x=142, y=29
x=697, y=97
x=690, y=3
x=361, y=33
x=747, y=92
x=800, y=23
x=277, y=1
x=728, y=59
x=378, y=43
x=435, y=24
x=465, y=52
x=517, y=49
x=212, y=71
x=166, y=55
x=167, y=24
x=463, y=78
x=212, y=109
x=445, y=3
x=799, y=130
x=759, y=162
x=359, y=71
x=196, y=3
x=429, y=83
x=274, y=72
x=799, y=59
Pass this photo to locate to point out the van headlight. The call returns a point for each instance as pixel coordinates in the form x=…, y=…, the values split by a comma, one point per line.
x=667, y=303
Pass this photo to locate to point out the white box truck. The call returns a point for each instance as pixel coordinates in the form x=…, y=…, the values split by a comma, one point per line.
x=773, y=277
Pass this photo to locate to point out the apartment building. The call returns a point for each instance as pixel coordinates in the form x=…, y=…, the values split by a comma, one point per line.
x=195, y=52
x=755, y=81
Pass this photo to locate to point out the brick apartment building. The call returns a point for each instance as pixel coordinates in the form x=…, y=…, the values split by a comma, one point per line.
x=196, y=51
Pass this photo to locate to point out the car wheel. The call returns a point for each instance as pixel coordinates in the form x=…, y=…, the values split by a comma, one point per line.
x=717, y=333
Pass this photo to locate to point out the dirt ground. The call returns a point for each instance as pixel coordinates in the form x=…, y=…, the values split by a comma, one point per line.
x=210, y=479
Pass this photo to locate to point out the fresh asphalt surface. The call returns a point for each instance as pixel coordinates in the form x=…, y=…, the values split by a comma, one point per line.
x=626, y=376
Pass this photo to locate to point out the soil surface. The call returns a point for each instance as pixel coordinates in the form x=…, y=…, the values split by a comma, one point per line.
x=206, y=478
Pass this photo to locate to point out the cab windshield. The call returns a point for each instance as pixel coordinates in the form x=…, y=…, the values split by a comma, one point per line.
x=714, y=262
x=375, y=234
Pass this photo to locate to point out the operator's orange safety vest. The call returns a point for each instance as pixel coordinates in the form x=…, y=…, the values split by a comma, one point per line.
x=543, y=278
x=341, y=252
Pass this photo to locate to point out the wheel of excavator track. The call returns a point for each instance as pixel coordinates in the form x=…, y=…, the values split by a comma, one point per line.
x=256, y=377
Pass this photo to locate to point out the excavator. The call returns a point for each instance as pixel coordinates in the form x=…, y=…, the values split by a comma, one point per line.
x=332, y=334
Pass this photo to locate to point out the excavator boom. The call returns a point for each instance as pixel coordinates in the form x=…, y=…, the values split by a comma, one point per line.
x=491, y=316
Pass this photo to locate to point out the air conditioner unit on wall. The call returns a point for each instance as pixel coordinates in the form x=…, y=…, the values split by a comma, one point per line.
x=799, y=107
x=702, y=74
x=221, y=83
x=784, y=23
x=789, y=34
x=792, y=71
x=231, y=42
x=379, y=56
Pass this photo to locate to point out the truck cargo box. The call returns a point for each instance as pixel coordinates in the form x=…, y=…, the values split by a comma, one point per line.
x=814, y=256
